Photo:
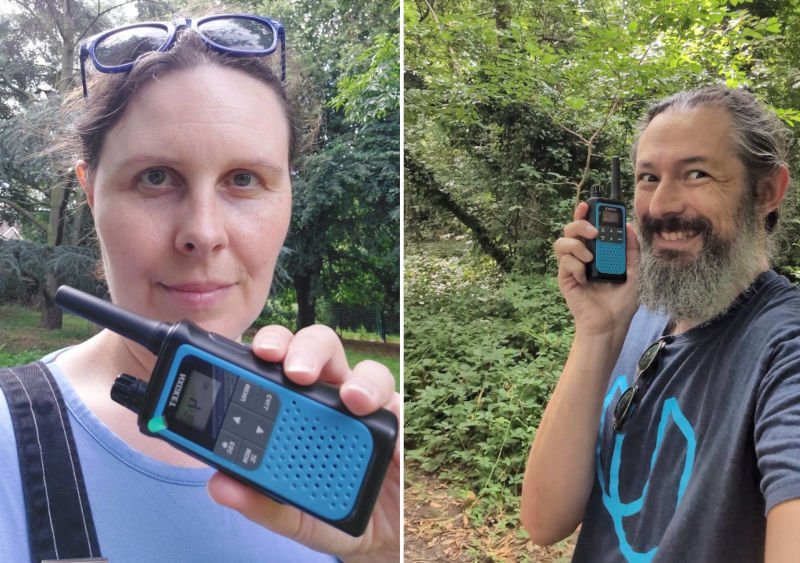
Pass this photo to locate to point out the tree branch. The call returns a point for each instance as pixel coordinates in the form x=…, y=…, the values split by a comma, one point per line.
x=421, y=176
x=101, y=13
x=17, y=90
x=590, y=144
x=590, y=147
x=567, y=129
x=30, y=216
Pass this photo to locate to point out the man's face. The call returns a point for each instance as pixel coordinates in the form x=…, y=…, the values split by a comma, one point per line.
x=696, y=218
x=689, y=182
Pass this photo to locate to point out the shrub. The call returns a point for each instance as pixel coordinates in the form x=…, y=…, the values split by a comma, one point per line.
x=482, y=355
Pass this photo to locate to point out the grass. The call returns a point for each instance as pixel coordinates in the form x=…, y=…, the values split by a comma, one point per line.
x=390, y=360
x=22, y=341
x=346, y=334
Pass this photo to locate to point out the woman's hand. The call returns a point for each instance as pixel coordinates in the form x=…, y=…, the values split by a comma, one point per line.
x=316, y=353
x=596, y=306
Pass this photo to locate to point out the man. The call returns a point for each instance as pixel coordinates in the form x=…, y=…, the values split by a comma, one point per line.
x=674, y=431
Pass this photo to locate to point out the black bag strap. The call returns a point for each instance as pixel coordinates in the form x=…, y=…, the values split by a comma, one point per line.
x=60, y=524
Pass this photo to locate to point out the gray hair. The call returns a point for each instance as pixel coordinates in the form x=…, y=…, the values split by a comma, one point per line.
x=758, y=136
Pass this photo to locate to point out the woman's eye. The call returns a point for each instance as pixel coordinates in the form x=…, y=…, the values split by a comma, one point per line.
x=243, y=179
x=156, y=177
x=645, y=177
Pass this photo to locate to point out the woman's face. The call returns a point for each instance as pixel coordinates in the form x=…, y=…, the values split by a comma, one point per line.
x=191, y=198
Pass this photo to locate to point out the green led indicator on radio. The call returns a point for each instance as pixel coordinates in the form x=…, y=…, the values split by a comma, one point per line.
x=157, y=424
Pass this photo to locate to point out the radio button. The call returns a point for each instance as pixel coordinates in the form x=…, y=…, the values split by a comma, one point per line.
x=267, y=404
x=228, y=446
x=249, y=456
x=235, y=419
x=249, y=426
x=245, y=393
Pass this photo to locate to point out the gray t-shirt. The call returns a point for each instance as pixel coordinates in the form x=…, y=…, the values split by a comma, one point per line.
x=714, y=443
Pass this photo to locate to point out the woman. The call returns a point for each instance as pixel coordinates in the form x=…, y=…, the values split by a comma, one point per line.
x=186, y=168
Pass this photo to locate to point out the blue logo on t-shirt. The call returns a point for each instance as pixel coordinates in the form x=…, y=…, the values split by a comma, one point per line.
x=619, y=510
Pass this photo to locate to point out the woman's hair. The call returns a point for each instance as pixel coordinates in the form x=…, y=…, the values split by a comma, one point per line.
x=110, y=94
x=757, y=135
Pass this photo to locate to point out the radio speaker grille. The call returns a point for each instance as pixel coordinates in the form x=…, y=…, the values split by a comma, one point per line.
x=317, y=457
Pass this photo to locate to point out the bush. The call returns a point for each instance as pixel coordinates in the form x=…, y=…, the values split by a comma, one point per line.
x=482, y=355
x=280, y=309
x=24, y=267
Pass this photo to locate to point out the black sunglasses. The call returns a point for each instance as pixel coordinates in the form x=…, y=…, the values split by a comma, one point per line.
x=630, y=399
x=240, y=35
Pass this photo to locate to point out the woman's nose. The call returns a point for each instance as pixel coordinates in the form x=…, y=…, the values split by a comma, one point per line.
x=201, y=228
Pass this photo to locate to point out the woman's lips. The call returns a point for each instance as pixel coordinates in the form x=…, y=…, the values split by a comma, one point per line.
x=199, y=295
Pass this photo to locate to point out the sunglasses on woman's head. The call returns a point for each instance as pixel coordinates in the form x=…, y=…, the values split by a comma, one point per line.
x=233, y=34
x=630, y=399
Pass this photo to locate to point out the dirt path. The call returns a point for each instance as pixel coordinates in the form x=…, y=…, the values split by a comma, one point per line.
x=436, y=529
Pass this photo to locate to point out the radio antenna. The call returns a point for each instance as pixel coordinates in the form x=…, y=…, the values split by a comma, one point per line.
x=616, y=192
x=148, y=333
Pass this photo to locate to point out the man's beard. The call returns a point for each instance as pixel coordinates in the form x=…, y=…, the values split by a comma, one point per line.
x=701, y=287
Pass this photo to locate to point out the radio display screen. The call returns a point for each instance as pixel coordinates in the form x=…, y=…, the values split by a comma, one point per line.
x=611, y=217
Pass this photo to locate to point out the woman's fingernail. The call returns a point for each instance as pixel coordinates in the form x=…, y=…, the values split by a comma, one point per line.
x=267, y=342
x=364, y=390
x=299, y=362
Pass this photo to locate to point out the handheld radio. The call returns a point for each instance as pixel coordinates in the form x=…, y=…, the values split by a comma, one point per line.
x=214, y=399
x=609, y=248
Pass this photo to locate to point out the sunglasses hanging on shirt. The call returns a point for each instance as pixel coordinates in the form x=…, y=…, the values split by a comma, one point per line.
x=240, y=35
x=629, y=401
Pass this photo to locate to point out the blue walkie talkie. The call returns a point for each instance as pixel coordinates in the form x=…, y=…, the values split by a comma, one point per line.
x=214, y=399
x=609, y=248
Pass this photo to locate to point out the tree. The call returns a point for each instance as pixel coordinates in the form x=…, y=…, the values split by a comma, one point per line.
x=516, y=109
x=346, y=189
x=26, y=267
x=346, y=220
x=340, y=41
x=38, y=49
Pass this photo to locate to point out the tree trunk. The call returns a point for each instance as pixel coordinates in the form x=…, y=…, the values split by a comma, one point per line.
x=422, y=177
x=306, y=302
x=51, y=314
x=59, y=193
x=77, y=219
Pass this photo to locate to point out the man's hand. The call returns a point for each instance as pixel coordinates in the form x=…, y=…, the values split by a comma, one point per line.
x=316, y=353
x=597, y=307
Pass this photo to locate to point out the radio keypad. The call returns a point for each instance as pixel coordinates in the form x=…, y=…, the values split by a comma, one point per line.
x=611, y=234
x=248, y=424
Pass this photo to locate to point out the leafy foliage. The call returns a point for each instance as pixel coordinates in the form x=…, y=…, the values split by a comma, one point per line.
x=26, y=266
x=512, y=111
x=374, y=93
x=345, y=231
x=345, y=84
x=482, y=354
x=516, y=108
